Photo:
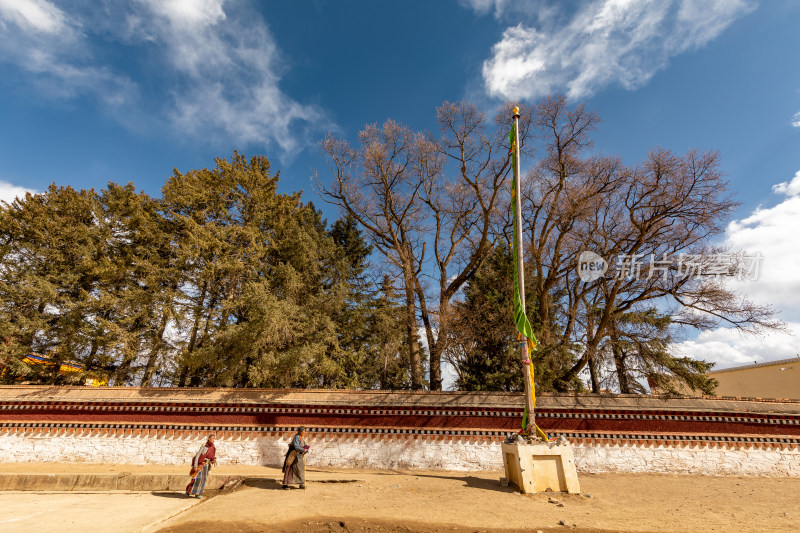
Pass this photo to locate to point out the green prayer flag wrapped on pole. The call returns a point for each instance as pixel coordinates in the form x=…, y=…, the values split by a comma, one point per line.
x=526, y=337
x=520, y=318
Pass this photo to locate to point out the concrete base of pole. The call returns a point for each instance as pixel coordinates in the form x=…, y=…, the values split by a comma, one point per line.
x=539, y=466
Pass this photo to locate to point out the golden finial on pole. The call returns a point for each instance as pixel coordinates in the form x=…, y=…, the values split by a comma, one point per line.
x=515, y=111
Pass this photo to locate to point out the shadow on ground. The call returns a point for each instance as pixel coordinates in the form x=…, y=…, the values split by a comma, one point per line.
x=350, y=525
x=475, y=482
x=272, y=484
x=174, y=495
x=262, y=483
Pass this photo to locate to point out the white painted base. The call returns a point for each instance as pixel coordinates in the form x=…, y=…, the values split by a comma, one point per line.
x=395, y=452
x=541, y=467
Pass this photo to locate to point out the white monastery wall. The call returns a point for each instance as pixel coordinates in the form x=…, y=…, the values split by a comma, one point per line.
x=397, y=452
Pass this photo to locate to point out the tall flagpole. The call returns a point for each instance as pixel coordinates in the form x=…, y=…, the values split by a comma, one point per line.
x=525, y=353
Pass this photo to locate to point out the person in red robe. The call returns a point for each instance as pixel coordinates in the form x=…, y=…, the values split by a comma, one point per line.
x=201, y=465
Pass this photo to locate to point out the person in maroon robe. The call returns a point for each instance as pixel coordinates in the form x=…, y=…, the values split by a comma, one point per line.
x=201, y=465
x=294, y=463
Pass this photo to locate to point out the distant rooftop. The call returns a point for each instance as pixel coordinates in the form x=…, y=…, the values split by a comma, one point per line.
x=756, y=365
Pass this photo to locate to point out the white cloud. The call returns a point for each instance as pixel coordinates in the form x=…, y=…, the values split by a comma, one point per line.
x=216, y=68
x=772, y=232
x=189, y=15
x=510, y=9
x=192, y=32
x=796, y=120
x=791, y=188
x=727, y=347
x=9, y=191
x=228, y=70
x=483, y=7
x=38, y=15
x=40, y=38
x=605, y=42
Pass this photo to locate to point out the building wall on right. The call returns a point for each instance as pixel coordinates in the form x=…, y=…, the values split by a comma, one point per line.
x=774, y=379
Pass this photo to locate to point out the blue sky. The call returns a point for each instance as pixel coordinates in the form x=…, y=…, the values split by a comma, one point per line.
x=124, y=91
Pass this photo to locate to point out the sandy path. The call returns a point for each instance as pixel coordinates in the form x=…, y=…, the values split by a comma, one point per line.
x=80, y=512
x=435, y=501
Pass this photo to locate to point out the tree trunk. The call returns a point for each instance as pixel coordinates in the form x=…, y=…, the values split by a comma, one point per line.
x=184, y=370
x=411, y=330
x=561, y=384
x=124, y=370
x=593, y=374
x=436, y=366
x=622, y=372
x=149, y=368
x=434, y=346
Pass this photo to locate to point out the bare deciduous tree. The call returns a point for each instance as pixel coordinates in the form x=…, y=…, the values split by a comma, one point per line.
x=414, y=193
x=669, y=206
x=378, y=184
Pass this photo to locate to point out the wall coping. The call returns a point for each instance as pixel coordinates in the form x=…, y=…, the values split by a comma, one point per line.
x=33, y=393
x=756, y=365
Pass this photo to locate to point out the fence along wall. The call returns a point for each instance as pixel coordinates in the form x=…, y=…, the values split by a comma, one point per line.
x=447, y=431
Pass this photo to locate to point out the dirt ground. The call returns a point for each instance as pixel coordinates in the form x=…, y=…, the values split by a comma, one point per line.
x=426, y=501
